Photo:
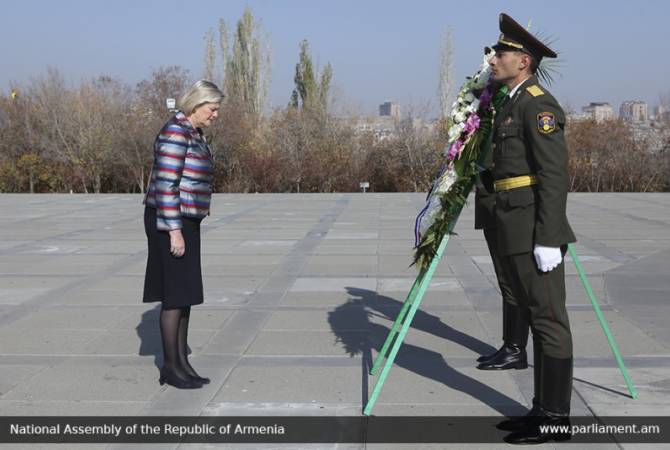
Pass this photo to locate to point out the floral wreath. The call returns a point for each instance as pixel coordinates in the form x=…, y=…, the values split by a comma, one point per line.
x=469, y=140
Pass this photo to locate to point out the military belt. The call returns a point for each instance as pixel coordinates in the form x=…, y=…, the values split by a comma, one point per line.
x=514, y=182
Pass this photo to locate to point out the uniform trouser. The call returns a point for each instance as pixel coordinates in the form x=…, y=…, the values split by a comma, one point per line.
x=515, y=325
x=541, y=296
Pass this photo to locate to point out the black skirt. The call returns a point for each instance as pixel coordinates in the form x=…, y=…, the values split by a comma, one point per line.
x=176, y=282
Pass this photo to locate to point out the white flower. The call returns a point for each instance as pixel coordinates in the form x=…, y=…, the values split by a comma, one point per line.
x=447, y=180
x=454, y=133
x=472, y=107
x=484, y=77
x=434, y=209
x=465, y=105
x=481, y=79
x=459, y=117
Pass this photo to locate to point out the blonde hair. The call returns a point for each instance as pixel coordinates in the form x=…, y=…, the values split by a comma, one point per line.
x=201, y=92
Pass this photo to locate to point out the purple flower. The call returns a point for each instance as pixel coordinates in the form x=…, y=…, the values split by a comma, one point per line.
x=472, y=124
x=455, y=150
x=485, y=98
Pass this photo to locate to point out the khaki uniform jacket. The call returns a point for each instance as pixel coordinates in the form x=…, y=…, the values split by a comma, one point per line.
x=528, y=138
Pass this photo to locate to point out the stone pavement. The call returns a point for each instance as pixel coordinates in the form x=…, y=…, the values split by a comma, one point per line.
x=301, y=291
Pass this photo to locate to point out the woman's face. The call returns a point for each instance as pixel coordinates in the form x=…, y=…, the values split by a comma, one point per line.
x=205, y=114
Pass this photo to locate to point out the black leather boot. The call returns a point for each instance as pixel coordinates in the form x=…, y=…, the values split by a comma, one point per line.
x=553, y=403
x=517, y=423
x=557, y=429
x=520, y=422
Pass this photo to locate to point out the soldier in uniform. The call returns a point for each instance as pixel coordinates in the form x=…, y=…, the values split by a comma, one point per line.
x=512, y=354
x=530, y=175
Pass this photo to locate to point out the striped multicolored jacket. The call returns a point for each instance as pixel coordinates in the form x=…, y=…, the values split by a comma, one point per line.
x=181, y=177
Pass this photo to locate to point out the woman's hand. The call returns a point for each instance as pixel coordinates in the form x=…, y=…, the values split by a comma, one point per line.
x=177, y=245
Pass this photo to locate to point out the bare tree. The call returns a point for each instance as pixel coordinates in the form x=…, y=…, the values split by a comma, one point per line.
x=664, y=107
x=54, y=107
x=209, y=72
x=446, y=81
x=416, y=143
x=89, y=130
x=606, y=157
x=143, y=117
x=20, y=156
x=224, y=49
x=165, y=82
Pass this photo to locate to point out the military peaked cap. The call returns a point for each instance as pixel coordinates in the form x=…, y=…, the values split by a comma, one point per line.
x=515, y=37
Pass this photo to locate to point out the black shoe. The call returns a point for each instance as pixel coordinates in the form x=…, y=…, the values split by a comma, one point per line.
x=490, y=356
x=532, y=434
x=510, y=357
x=171, y=378
x=199, y=379
x=192, y=374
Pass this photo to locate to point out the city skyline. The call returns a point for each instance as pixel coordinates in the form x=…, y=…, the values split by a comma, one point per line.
x=379, y=51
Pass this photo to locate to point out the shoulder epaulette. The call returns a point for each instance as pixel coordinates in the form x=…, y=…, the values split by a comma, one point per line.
x=535, y=90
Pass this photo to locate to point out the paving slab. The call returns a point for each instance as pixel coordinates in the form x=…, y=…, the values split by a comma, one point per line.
x=322, y=284
x=143, y=339
x=352, y=265
x=94, y=382
x=432, y=299
x=291, y=385
x=316, y=298
x=122, y=407
x=73, y=318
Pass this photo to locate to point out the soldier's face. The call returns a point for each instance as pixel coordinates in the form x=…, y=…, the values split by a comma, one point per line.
x=507, y=66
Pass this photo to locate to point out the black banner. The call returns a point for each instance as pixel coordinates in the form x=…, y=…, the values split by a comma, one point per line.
x=312, y=429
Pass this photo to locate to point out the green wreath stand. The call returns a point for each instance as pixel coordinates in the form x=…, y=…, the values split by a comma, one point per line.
x=402, y=323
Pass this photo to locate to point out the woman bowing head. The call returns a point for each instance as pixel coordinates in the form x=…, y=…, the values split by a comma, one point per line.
x=177, y=200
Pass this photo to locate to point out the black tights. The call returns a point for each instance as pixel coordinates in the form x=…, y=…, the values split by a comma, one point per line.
x=174, y=334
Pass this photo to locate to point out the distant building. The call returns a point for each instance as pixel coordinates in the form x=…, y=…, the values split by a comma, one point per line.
x=578, y=116
x=382, y=128
x=387, y=127
x=389, y=109
x=634, y=111
x=599, y=111
x=661, y=113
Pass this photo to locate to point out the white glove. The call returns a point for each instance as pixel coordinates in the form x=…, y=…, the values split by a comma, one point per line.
x=547, y=258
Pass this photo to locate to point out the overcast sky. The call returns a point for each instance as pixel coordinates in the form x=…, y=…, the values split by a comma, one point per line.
x=380, y=50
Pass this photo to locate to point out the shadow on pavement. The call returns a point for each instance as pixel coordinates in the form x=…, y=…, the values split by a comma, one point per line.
x=148, y=330
x=353, y=328
x=598, y=386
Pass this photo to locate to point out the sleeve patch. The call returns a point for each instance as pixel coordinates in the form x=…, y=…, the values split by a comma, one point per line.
x=546, y=122
x=535, y=90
